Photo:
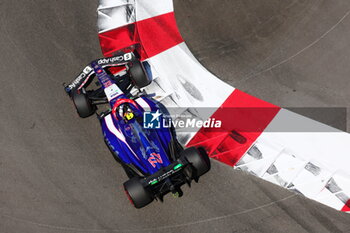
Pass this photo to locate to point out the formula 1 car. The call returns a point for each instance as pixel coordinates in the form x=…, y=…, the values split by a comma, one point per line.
x=152, y=158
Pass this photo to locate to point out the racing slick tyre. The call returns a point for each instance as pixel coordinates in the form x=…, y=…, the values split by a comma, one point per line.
x=83, y=105
x=198, y=158
x=136, y=193
x=138, y=74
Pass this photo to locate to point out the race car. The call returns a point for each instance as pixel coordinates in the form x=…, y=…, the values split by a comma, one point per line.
x=152, y=158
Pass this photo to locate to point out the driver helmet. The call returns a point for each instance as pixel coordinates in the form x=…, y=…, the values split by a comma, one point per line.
x=126, y=112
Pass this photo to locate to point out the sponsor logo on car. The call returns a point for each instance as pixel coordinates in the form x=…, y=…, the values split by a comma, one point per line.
x=112, y=91
x=83, y=75
x=121, y=58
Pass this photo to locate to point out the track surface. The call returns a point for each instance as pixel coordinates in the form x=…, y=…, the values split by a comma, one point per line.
x=292, y=53
x=56, y=175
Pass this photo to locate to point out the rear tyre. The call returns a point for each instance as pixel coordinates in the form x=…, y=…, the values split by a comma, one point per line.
x=199, y=160
x=136, y=193
x=138, y=74
x=83, y=105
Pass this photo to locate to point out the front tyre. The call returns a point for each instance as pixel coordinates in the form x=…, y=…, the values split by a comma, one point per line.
x=138, y=74
x=199, y=160
x=137, y=194
x=83, y=105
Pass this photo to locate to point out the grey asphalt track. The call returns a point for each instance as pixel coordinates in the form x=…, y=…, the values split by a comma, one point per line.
x=56, y=175
x=292, y=53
